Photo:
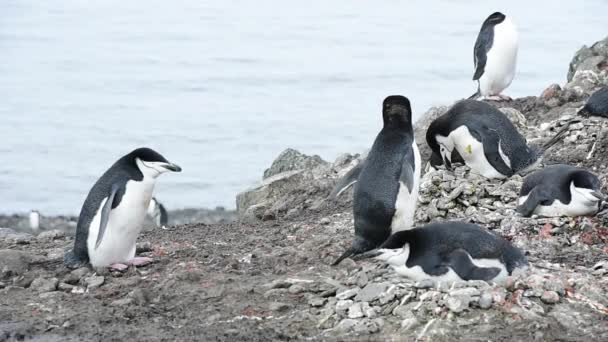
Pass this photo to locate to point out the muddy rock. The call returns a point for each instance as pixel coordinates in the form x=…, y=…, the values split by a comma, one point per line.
x=13, y=263
x=44, y=284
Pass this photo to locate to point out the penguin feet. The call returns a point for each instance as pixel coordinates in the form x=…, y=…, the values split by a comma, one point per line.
x=136, y=261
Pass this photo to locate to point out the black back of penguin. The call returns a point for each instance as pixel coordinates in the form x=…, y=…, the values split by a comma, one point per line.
x=119, y=173
x=597, y=104
x=555, y=181
x=378, y=184
x=479, y=116
x=443, y=238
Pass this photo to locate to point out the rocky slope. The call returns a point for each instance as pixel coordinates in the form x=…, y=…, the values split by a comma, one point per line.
x=268, y=277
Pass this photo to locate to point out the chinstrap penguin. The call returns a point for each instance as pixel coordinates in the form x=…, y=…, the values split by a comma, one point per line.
x=597, y=104
x=158, y=213
x=386, y=192
x=449, y=252
x=560, y=190
x=34, y=220
x=485, y=139
x=495, y=56
x=113, y=213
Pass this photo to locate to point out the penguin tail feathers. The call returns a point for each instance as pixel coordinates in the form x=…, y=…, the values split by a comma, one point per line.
x=559, y=136
x=349, y=179
x=359, y=246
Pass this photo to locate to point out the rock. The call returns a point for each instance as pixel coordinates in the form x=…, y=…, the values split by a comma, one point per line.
x=74, y=277
x=13, y=263
x=325, y=221
x=555, y=285
x=292, y=160
x=362, y=279
x=425, y=284
x=316, y=301
x=65, y=287
x=50, y=235
x=295, y=289
x=550, y=297
x=371, y=292
x=467, y=291
x=343, y=305
x=279, y=284
x=355, y=311
x=94, y=282
x=388, y=295
x=278, y=306
x=458, y=304
x=348, y=294
x=140, y=296
x=485, y=300
x=122, y=302
x=346, y=325
x=44, y=284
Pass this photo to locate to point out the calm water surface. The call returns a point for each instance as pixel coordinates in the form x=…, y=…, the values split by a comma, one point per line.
x=221, y=87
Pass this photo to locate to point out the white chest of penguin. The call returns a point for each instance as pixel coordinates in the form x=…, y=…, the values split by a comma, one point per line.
x=472, y=152
x=501, y=59
x=124, y=225
x=405, y=205
x=582, y=203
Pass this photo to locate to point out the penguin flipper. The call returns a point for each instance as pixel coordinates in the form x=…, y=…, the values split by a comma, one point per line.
x=105, y=214
x=349, y=179
x=480, y=51
x=490, y=141
x=460, y=261
x=535, y=197
x=407, y=170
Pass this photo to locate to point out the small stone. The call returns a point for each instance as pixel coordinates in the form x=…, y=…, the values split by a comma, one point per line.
x=140, y=296
x=94, y=282
x=295, y=289
x=74, y=277
x=143, y=247
x=325, y=221
x=348, y=294
x=485, y=300
x=44, y=285
x=550, y=297
x=278, y=306
x=279, y=284
x=425, y=284
x=122, y=302
x=346, y=325
x=458, y=304
x=467, y=291
x=50, y=235
x=388, y=295
x=274, y=293
x=65, y=287
x=362, y=278
x=533, y=292
x=355, y=311
x=555, y=285
x=343, y=305
x=410, y=323
x=316, y=301
x=371, y=292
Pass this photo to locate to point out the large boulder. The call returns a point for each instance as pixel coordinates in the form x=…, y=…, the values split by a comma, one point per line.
x=594, y=58
x=291, y=160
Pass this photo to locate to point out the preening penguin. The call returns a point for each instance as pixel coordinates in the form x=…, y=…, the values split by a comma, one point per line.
x=449, y=251
x=495, y=56
x=113, y=213
x=386, y=191
x=560, y=190
x=485, y=139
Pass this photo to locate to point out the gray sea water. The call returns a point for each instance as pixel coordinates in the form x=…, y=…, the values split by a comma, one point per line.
x=221, y=87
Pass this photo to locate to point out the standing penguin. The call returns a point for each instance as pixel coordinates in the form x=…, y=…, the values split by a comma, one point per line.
x=34, y=221
x=495, y=56
x=158, y=213
x=450, y=251
x=560, y=190
x=485, y=139
x=113, y=213
x=386, y=191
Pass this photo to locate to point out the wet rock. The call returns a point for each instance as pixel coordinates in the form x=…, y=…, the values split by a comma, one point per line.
x=44, y=284
x=94, y=282
x=371, y=292
x=550, y=297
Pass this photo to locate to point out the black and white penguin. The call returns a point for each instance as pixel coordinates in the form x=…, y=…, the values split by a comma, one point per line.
x=560, y=190
x=485, y=139
x=597, y=104
x=386, y=192
x=449, y=252
x=158, y=213
x=495, y=56
x=34, y=219
x=113, y=213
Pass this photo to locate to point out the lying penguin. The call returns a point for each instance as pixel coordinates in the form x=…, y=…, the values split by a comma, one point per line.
x=113, y=213
x=560, y=190
x=449, y=252
x=158, y=213
x=485, y=139
x=597, y=104
x=386, y=190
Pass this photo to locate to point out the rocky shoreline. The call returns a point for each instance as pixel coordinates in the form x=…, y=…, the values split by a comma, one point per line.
x=267, y=276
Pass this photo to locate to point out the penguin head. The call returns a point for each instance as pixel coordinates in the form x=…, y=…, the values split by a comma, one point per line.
x=495, y=18
x=397, y=112
x=587, y=186
x=150, y=162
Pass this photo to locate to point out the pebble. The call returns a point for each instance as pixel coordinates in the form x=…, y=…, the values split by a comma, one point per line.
x=458, y=304
x=346, y=324
x=355, y=311
x=94, y=282
x=75, y=276
x=325, y=221
x=485, y=300
x=278, y=306
x=371, y=292
x=295, y=289
x=65, y=287
x=44, y=284
x=550, y=297
x=316, y=301
x=343, y=305
x=467, y=291
x=348, y=294
x=122, y=302
x=279, y=284
x=555, y=285
x=425, y=284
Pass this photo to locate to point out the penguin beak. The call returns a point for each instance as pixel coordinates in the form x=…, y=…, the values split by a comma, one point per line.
x=172, y=167
x=367, y=255
x=598, y=195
